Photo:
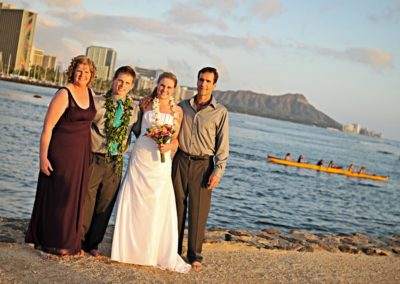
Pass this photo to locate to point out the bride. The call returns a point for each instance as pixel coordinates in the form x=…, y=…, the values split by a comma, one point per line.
x=146, y=230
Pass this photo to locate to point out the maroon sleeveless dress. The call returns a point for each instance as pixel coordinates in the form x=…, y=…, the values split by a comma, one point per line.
x=56, y=221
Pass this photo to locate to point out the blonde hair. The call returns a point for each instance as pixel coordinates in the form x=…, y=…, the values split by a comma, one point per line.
x=164, y=75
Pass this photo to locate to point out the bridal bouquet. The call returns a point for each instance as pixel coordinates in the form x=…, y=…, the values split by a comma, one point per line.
x=161, y=134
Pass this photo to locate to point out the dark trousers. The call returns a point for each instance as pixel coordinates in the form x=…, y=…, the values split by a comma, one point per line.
x=190, y=178
x=100, y=199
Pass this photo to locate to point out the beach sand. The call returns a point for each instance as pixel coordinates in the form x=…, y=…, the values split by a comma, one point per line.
x=225, y=262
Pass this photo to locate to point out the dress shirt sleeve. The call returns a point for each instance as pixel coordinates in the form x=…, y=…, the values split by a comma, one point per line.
x=222, y=146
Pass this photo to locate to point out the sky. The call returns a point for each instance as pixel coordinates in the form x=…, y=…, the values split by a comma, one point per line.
x=342, y=55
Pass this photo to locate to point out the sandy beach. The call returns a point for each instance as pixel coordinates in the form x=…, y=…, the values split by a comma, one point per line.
x=229, y=257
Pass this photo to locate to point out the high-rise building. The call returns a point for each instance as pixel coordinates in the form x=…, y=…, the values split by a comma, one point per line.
x=17, y=29
x=49, y=62
x=37, y=56
x=104, y=59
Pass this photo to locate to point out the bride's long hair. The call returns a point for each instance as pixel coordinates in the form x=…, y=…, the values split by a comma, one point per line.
x=168, y=75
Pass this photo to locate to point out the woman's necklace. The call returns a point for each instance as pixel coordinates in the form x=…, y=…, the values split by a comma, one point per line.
x=156, y=109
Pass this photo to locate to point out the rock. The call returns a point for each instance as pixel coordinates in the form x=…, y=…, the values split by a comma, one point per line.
x=228, y=237
x=293, y=238
x=348, y=241
x=396, y=250
x=271, y=231
x=306, y=235
x=6, y=239
x=382, y=252
x=328, y=242
x=348, y=249
x=239, y=233
x=306, y=249
x=393, y=241
x=368, y=250
x=264, y=236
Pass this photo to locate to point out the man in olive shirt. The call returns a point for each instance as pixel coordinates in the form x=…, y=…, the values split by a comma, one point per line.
x=116, y=118
x=200, y=161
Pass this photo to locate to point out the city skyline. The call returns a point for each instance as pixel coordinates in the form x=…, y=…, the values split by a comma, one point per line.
x=342, y=55
x=104, y=59
x=17, y=29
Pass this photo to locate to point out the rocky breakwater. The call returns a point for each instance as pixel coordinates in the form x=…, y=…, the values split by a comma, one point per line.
x=12, y=231
x=297, y=240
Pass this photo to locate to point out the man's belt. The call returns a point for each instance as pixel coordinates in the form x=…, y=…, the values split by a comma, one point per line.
x=193, y=157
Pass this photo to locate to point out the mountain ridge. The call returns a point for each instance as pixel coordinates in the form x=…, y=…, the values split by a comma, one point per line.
x=290, y=107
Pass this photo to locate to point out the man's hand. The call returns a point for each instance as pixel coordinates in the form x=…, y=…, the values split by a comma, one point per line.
x=213, y=181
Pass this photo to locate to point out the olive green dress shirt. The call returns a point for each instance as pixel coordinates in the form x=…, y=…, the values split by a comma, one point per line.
x=205, y=132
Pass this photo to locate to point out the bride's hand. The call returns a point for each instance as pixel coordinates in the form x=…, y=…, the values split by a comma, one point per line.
x=165, y=147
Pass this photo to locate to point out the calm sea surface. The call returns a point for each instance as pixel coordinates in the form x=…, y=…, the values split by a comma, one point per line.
x=253, y=194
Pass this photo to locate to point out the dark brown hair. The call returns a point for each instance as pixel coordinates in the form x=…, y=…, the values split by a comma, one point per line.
x=209, y=70
x=125, y=69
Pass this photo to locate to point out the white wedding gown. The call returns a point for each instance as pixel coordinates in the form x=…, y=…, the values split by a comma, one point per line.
x=146, y=230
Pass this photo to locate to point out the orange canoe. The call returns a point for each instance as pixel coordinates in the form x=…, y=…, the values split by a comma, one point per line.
x=325, y=169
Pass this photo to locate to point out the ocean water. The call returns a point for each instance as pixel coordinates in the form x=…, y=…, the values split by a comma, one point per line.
x=253, y=193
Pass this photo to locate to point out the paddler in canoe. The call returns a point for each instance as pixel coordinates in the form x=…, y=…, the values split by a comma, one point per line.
x=333, y=165
x=362, y=170
x=301, y=159
x=351, y=168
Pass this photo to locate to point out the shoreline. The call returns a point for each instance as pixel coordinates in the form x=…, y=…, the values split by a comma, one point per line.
x=267, y=256
x=12, y=231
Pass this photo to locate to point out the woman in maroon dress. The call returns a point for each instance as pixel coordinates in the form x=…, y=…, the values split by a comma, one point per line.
x=56, y=222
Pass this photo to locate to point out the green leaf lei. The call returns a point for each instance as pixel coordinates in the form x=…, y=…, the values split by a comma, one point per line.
x=117, y=134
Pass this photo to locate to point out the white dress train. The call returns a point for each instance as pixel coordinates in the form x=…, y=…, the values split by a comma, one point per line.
x=146, y=230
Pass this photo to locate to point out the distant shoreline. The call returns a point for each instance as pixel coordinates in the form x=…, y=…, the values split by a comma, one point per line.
x=28, y=82
x=365, y=133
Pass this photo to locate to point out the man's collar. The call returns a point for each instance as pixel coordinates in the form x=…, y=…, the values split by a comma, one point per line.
x=213, y=101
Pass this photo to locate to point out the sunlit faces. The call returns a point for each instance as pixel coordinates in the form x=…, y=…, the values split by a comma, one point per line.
x=205, y=84
x=82, y=75
x=123, y=84
x=166, y=88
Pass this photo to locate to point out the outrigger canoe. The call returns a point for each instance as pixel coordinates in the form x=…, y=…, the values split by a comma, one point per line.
x=326, y=169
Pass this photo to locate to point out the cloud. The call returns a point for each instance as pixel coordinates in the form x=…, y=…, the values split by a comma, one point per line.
x=89, y=27
x=62, y=3
x=252, y=41
x=222, y=41
x=22, y=3
x=114, y=26
x=270, y=42
x=188, y=15
x=373, y=57
x=219, y=64
x=390, y=14
x=224, y=6
x=182, y=69
x=42, y=20
x=79, y=30
x=265, y=9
